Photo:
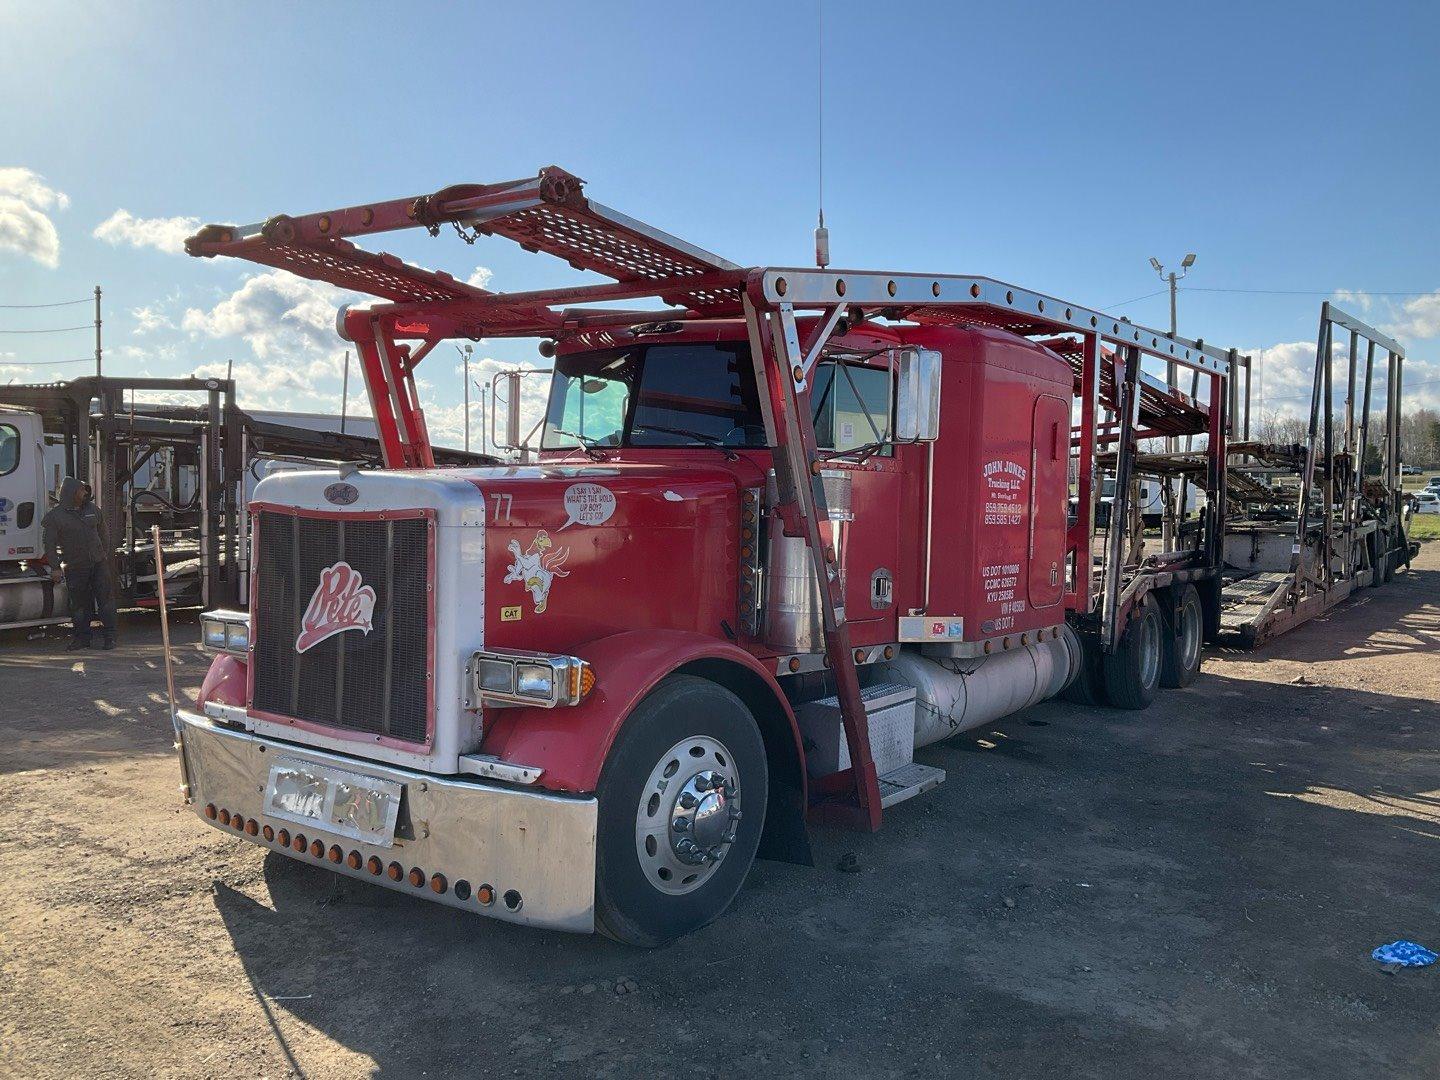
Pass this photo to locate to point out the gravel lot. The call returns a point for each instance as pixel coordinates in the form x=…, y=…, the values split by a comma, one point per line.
x=1189, y=891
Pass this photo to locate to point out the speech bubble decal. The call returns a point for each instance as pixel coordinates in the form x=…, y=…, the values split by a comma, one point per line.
x=587, y=504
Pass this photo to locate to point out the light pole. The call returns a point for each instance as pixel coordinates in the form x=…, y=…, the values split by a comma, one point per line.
x=465, y=351
x=1173, y=512
x=1172, y=278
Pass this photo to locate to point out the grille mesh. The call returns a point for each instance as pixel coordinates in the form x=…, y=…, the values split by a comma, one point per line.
x=373, y=683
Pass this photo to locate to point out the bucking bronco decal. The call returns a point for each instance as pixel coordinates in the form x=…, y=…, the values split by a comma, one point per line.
x=537, y=566
x=340, y=602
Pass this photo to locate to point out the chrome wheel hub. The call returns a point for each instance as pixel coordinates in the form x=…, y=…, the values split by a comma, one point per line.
x=688, y=814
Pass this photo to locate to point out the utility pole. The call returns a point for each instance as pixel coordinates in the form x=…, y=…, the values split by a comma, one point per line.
x=465, y=352
x=98, y=371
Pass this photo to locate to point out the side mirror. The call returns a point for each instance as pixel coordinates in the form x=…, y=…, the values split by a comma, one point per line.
x=917, y=396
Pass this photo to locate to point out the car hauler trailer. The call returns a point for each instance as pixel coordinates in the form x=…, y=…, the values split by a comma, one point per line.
x=783, y=529
x=1310, y=528
x=186, y=468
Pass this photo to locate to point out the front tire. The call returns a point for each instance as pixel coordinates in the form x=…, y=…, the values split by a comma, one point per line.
x=1184, y=634
x=682, y=806
x=1132, y=671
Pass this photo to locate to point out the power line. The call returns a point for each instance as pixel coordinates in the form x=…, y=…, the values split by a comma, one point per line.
x=60, y=303
x=1306, y=292
x=1136, y=300
x=52, y=330
x=48, y=363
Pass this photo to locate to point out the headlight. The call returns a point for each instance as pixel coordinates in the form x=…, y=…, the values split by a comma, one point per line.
x=510, y=677
x=225, y=632
x=535, y=680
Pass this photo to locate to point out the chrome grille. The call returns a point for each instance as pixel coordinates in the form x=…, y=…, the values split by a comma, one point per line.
x=375, y=683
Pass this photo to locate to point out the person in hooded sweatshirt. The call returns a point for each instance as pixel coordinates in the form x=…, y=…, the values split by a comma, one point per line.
x=75, y=530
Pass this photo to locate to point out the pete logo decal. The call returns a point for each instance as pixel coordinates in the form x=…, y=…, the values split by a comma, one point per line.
x=340, y=602
x=537, y=566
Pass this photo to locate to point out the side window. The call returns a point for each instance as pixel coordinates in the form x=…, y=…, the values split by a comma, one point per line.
x=9, y=448
x=841, y=400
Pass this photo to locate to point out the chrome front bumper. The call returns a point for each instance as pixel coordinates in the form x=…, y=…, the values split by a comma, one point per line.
x=536, y=851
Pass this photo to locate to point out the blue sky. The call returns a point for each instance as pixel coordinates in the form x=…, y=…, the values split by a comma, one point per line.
x=1054, y=145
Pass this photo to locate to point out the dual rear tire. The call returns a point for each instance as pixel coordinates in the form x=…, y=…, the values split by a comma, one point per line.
x=1158, y=648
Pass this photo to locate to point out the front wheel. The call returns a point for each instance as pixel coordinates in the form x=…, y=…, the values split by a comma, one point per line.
x=1132, y=671
x=682, y=806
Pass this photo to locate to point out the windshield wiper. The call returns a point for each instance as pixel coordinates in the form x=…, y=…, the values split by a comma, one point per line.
x=698, y=436
x=590, y=445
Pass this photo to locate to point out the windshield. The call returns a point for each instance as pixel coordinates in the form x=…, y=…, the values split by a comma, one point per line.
x=655, y=395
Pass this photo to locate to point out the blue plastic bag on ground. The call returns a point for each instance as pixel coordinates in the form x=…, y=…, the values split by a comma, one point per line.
x=1404, y=953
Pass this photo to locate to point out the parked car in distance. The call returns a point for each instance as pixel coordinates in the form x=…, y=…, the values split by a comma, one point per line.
x=1427, y=502
x=1434, y=484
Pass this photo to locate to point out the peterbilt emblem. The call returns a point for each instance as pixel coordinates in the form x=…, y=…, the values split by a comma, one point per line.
x=341, y=494
x=340, y=602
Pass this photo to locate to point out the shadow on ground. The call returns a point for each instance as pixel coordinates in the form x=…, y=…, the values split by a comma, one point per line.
x=1193, y=890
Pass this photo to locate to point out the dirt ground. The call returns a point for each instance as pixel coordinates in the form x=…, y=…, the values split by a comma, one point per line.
x=1190, y=891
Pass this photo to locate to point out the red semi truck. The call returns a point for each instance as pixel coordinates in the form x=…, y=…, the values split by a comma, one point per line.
x=782, y=530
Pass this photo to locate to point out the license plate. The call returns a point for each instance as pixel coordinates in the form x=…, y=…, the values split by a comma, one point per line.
x=361, y=807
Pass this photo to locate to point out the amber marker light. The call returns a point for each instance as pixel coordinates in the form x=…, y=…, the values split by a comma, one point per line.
x=283, y=838
x=395, y=872
x=335, y=853
x=417, y=877
x=353, y=860
x=485, y=895
x=438, y=883
x=374, y=865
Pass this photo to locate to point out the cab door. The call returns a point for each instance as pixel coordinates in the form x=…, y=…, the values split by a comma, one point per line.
x=850, y=408
x=21, y=486
x=1049, y=496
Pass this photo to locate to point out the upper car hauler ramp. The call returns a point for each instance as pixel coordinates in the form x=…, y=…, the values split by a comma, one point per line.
x=550, y=213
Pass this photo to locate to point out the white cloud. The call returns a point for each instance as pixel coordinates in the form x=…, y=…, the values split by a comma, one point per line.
x=1419, y=318
x=163, y=234
x=1353, y=299
x=1284, y=376
x=147, y=320
x=25, y=225
x=277, y=314
x=481, y=277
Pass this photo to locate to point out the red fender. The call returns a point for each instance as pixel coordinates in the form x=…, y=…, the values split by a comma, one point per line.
x=225, y=682
x=571, y=744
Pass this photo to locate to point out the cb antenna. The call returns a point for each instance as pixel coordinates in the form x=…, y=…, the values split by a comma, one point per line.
x=822, y=234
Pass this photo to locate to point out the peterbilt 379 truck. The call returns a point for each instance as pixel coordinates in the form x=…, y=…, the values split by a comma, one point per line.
x=782, y=530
